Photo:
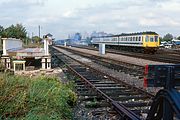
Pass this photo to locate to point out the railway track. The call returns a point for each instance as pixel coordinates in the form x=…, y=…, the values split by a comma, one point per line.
x=129, y=101
x=161, y=56
x=113, y=64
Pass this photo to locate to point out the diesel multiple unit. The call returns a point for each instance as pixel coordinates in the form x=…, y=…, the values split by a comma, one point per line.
x=147, y=42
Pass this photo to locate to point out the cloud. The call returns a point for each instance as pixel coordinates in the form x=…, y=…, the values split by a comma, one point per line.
x=65, y=17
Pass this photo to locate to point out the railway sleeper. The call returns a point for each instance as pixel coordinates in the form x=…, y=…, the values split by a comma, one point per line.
x=106, y=85
x=99, y=112
x=136, y=104
x=105, y=82
x=141, y=111
x=82, y=93
x=104, y=88
x=82, y=89
x=91, y=98
x=96, y=104
x=120, y=92
x=81, y=69
x=132, y=98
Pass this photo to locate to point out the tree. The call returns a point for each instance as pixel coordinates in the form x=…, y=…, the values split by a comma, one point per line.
x=1, y=30
x=17, y=31
x=36, y=39
x=1, y=33
x=168, y=37
x=178, y=38
x=160, y=39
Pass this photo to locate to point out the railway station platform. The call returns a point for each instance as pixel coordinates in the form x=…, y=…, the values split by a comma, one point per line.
x=14, y=54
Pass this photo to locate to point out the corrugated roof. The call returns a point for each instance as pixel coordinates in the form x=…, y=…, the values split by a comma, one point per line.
x=27, y=50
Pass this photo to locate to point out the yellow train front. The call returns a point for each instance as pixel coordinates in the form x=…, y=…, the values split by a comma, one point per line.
x=150, y=43
x=146, y=42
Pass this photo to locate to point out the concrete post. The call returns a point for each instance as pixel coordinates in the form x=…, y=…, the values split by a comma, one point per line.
x=6, y=61
x=43, y=63
x=102, y=49
x=24, y=68
x=46, y=46
x=65, y=44
x=49, y=63
x=14, y=66
x=4, y=47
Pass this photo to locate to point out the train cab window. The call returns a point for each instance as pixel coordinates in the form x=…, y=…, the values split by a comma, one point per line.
x=147, y=38
x=156, y=38
x=151, y=39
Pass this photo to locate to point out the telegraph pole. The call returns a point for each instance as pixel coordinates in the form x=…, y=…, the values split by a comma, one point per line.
x=39, y=27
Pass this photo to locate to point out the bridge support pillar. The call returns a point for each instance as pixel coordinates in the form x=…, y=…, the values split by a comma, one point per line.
x=6, y=61
x=46, y=62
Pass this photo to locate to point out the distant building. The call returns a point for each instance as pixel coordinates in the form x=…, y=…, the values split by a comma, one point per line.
x=99, y=34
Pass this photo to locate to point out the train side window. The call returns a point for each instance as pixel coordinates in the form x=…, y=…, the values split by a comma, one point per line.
x=151, y=39
x=156, y=38
x=139, y=38
x=147, y=38
x=136, y=38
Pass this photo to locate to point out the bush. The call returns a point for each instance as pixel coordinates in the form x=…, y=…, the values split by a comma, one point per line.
x=36, y=98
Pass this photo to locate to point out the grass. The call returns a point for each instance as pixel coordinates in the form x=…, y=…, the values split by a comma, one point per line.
x=41, y=98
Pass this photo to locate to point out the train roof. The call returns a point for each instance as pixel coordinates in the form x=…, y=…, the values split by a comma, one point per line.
x=130, y=34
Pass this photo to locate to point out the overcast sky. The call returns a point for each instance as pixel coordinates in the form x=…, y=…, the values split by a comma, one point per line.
x=63, y=17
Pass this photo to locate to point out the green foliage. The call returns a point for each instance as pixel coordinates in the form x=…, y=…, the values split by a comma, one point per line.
x=1, y=30
x=41, y=98
x=14, y=31
x=36, y=39
x=168, y=37
x=178, y=38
